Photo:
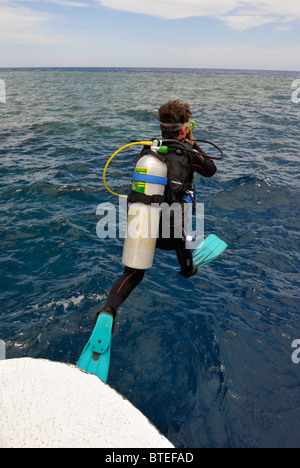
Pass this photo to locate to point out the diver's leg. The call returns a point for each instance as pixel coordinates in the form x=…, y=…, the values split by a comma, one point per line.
x=122, y=288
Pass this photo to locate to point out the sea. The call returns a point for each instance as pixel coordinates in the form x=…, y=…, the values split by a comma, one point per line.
x=212, y=361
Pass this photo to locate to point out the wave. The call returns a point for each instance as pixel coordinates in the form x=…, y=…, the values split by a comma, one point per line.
x=28, y=192
x=143, y=115
x=251, y=191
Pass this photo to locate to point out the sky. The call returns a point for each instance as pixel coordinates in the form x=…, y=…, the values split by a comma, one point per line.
x=239, y=34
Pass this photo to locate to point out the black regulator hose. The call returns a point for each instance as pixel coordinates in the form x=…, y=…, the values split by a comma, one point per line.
x=166, y=141
x=217, y=147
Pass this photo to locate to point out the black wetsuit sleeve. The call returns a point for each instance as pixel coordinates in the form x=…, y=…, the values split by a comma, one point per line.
x=202, y=163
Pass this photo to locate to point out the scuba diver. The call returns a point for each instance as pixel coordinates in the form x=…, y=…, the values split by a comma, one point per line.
x=183, y=158
x=162, y=194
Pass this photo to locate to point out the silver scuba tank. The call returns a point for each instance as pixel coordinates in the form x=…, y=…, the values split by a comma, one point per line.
x=149, y=178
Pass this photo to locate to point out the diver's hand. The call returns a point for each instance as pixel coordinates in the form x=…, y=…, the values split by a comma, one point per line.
x=189, y=138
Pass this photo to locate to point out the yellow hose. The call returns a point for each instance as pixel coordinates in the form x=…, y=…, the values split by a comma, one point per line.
x=144, y=143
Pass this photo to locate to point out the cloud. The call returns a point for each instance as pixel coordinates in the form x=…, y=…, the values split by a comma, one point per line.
x=241, y=23
x=283, y=28
x=237, y=14
x=19, y=18
x=172, y=9
x=69, y=3
x=21, y=25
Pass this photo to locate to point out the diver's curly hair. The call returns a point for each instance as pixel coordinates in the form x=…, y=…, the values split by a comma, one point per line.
x=173, y=112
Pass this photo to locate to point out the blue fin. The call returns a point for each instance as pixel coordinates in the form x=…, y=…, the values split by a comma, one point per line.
x=208, y=250
x=95, y=357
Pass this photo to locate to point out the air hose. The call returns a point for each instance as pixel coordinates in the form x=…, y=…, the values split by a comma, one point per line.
x=145, y=143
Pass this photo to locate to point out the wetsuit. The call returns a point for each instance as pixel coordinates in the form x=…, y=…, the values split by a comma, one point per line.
x=130, y=278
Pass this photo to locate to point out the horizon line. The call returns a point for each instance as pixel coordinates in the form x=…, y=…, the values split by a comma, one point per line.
x=140, y=68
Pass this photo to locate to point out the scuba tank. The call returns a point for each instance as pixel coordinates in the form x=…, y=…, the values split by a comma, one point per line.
x=148, y=188
x=156, y=179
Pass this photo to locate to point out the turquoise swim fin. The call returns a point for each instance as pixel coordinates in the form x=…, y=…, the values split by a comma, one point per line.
x=95, y=358
x=208, y=250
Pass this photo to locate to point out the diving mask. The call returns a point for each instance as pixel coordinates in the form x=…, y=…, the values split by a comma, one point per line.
x=190, y=125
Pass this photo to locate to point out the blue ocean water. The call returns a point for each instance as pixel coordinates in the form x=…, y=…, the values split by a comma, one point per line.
x=208, y=360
